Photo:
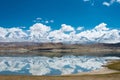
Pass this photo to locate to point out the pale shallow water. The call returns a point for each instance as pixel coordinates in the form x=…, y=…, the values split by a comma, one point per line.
x=40, y=65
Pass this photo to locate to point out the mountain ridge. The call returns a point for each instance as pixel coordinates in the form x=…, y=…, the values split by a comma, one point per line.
x=57, y=49
x=66, y=34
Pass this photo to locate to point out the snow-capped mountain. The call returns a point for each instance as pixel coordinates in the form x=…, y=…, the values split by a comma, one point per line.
x=66, y=34
x=15, y=34
x=51, y=66
x=39, y=32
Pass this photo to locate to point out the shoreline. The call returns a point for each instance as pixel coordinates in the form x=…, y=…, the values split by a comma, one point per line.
x=103, y=70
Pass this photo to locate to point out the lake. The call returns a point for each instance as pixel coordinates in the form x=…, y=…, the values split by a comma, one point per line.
x=41, y=65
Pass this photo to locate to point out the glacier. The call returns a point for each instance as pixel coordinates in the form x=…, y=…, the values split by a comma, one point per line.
x=40, y=65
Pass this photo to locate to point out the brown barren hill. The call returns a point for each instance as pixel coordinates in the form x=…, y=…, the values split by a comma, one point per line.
x=57, y=49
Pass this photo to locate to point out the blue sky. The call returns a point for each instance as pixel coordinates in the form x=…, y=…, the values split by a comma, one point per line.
x=87, y=13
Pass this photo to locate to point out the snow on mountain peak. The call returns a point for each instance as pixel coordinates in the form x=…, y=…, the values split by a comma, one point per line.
x=3, y=32
x=43, y=33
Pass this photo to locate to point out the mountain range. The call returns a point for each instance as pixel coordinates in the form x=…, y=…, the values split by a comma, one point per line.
x=66, y=34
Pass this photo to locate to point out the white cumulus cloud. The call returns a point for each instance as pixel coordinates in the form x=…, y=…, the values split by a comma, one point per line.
x=46, y=22
x=66, y=34
x=106, y=4
x=51, y=21
x=111, y=2
x=118, y=1
x=80, y=28
x=39, y=31
x=102, y=26
x=38, y=18
x=39, y=27
x=86, y=0
x=67, y=27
